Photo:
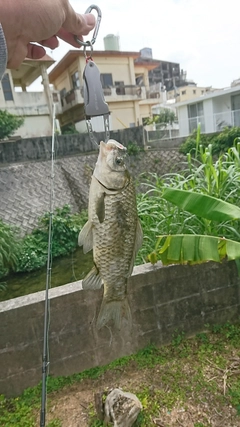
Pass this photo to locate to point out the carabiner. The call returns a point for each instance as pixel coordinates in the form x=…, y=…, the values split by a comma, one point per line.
x=99, y=17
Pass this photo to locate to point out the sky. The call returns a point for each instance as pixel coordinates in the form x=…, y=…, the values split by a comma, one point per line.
x=203, y=36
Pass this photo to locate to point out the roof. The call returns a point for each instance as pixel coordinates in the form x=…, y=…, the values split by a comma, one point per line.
x=30, y=70
x=71, y=56
x=213, y=94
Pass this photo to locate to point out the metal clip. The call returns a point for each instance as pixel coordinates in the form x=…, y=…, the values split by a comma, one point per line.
x=99, y=17
x=94, y=102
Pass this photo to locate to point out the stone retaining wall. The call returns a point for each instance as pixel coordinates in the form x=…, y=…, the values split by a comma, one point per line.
x=25, y=186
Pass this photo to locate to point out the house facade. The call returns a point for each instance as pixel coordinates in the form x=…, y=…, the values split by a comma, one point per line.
x=125, y=85
x=187, y=92
x=35, y=107
x=214, y=111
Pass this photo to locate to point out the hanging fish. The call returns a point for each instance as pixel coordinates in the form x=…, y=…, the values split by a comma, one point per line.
x=113, y=231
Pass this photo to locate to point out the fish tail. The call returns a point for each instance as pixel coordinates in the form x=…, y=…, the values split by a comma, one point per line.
x=115, y=311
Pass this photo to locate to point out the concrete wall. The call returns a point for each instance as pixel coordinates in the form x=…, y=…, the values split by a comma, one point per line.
x=31, y=149
x=163, y=300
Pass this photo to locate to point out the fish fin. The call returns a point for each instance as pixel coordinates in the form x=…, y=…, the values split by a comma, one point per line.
x=137, y=246
x=92, y=280
x=100, y=208
x=116, y=311
x=85, y=237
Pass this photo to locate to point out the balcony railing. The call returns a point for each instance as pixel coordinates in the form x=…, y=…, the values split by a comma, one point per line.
x=194, y=121
x=210, y=123
x=76, y=96
x=226, y=119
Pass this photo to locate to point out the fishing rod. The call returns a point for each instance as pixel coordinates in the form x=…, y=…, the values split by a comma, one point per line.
x=45, y=357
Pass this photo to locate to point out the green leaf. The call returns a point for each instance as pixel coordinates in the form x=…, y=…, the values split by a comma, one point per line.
x=202, y=205
x=196, y=249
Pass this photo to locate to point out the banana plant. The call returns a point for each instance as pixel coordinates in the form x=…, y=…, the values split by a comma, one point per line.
x=192, y=248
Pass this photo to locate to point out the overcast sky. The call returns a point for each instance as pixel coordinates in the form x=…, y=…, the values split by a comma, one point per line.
x=203, y=36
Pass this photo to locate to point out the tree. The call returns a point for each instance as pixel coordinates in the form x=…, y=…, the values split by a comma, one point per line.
x=165, y=117
x=9, y=123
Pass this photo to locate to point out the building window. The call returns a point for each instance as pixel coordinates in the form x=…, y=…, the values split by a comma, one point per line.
x=75, y=80
x=194, y=92
x=196, y=116
x=7, y=89
x=202, y=92
x=106, y=80
x=183, y=92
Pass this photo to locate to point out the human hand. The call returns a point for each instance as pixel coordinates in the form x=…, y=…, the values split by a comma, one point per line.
x=41, y=21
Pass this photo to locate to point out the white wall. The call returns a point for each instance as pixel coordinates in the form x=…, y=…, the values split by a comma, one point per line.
x=183, y=120
x=35, y=126
x=208, y=115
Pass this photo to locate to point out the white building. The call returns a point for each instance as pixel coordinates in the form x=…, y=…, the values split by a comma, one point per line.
x=214, y=110
x=35, y=107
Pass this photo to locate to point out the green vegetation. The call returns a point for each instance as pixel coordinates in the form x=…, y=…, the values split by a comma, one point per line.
x=203, y=370
x=69, y=130
x=218, y=179
x=133, y=149
x=30, y=252
x=220, y=142
x=9, y=123
x=9, y=248
x=165, y=117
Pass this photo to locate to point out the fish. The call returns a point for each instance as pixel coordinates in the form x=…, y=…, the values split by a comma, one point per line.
x=113, y=231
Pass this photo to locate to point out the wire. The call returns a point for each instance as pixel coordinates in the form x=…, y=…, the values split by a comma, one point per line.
x=46, y=358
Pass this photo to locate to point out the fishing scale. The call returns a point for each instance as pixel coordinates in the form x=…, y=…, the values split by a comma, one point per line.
x=94, y=101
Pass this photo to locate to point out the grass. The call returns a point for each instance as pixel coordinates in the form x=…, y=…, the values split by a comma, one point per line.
x=203, y=370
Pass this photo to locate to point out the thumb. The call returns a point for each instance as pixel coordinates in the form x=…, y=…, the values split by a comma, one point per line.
x=78, y=24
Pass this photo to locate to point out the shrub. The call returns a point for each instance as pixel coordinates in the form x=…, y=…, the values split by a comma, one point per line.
x=65, y=230
x=220, y=142
x=9, y=123
x=9, y=248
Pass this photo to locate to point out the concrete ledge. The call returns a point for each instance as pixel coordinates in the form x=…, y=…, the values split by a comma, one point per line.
x=162, y=300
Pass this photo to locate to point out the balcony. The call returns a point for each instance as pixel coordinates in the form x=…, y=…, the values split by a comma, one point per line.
x=71, y=99
x=27, y=104
x=226, y=119
x=210, y=123
x=111, y=93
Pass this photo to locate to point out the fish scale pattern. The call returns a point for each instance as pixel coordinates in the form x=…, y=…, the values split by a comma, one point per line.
x=114, y=240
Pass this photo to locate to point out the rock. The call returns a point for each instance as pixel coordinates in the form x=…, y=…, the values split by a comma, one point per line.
x=121, y=408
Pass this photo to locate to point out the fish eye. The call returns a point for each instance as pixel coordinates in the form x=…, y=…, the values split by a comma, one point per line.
x=119, y=160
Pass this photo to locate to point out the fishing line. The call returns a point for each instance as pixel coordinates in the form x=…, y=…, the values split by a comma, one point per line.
x=45, y=357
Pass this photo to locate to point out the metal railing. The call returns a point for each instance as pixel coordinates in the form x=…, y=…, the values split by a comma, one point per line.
x=226, y=119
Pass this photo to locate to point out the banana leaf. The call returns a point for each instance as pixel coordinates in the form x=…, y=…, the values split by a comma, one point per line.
x=195, y=249
x=202, y=205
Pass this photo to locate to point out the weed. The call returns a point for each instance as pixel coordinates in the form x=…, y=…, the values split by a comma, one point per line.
x=55, y=423
x=177, y=338
x=186, y=368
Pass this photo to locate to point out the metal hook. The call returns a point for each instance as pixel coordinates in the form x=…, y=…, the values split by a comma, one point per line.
x=99, y=17
x=88, y=56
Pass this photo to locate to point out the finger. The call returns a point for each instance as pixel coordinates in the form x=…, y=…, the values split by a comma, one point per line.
x=34, y=51
x=79, y=24
x=68, y=37
x=52, y=42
